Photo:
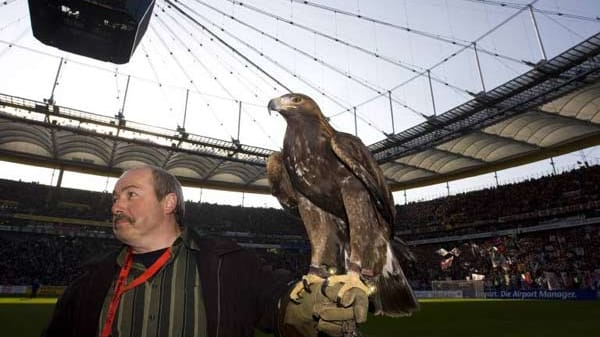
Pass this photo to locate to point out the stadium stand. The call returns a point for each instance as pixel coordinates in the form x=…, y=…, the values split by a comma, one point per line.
x=506, y=206
x=538, y=234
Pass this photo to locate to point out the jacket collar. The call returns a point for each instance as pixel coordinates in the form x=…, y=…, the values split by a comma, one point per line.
x=200, y=242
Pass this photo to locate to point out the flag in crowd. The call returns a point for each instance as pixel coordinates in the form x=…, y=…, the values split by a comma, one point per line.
x=446, y=263
x=455, y=251
x=442, y=252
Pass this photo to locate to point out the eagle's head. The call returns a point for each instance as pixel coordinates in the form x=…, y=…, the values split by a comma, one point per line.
x=299, y=105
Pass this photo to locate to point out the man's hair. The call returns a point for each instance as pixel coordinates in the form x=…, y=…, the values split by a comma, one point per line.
x=165, y=183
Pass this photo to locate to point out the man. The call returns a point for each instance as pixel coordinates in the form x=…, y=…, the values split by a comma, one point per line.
x=35, y=287
x=168, y=281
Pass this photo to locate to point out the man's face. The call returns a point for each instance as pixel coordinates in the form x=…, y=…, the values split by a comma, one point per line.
x=137, y=213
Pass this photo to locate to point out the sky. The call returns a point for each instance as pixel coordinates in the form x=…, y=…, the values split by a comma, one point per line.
x=345, y=54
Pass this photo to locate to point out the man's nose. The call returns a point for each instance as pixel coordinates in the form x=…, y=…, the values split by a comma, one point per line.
x=117, y=206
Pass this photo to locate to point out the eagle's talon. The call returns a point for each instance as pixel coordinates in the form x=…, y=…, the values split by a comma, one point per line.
x=295, y=294
x=348, y=281
x=304, y=285
x=324, y=287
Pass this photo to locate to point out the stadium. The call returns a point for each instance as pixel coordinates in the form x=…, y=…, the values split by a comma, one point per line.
x=485, y=122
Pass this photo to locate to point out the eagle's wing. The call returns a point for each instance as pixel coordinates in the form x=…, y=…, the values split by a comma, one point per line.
x=356, y=156
x=281, y=186
x=375, y=253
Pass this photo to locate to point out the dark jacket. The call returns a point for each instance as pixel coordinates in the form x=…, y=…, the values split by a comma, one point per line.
x=239, y=293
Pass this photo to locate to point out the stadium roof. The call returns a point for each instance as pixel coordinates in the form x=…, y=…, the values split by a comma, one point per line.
x=206, y=69
x=553, y=109
x=550, y=110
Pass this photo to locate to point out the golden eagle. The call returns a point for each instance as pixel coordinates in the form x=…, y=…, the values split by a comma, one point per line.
x=340, y=192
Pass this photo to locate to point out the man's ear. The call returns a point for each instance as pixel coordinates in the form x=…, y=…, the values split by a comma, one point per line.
x=170, y=203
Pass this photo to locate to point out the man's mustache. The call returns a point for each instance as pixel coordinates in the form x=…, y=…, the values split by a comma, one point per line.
x=120, y=216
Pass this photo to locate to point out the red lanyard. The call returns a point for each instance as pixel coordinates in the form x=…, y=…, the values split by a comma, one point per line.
x=121, y=287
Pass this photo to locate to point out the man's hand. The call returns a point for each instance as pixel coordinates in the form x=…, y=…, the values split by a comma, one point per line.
x=318, y=310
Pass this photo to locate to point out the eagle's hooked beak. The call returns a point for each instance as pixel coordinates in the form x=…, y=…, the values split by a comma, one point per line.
x=273, y=105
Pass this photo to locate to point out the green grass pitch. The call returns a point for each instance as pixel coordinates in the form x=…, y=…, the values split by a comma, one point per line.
x=21, y=317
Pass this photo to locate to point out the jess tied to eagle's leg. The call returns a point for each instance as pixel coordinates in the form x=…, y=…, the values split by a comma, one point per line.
x=333, y=182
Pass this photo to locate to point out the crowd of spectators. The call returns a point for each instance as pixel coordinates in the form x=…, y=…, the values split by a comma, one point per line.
x=49, y=260
x=50, y=201
x=549, y=259
x=503, y=206
x=257, y=220
x=556, y=259
x=37, y=199
x=490, y=208
x=552, y=259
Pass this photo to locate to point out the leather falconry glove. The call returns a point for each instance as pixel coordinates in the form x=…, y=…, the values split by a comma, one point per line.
x=318, y=312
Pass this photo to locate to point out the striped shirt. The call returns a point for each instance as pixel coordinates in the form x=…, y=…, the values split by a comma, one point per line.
x=168, y=304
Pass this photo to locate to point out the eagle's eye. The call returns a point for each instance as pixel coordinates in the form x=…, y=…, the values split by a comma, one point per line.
x=296, y=99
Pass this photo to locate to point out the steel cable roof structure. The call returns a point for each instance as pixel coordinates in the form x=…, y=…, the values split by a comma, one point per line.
x=470, y=87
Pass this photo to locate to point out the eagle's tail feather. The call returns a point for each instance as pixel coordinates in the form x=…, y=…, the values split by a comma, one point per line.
x=393, y=296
